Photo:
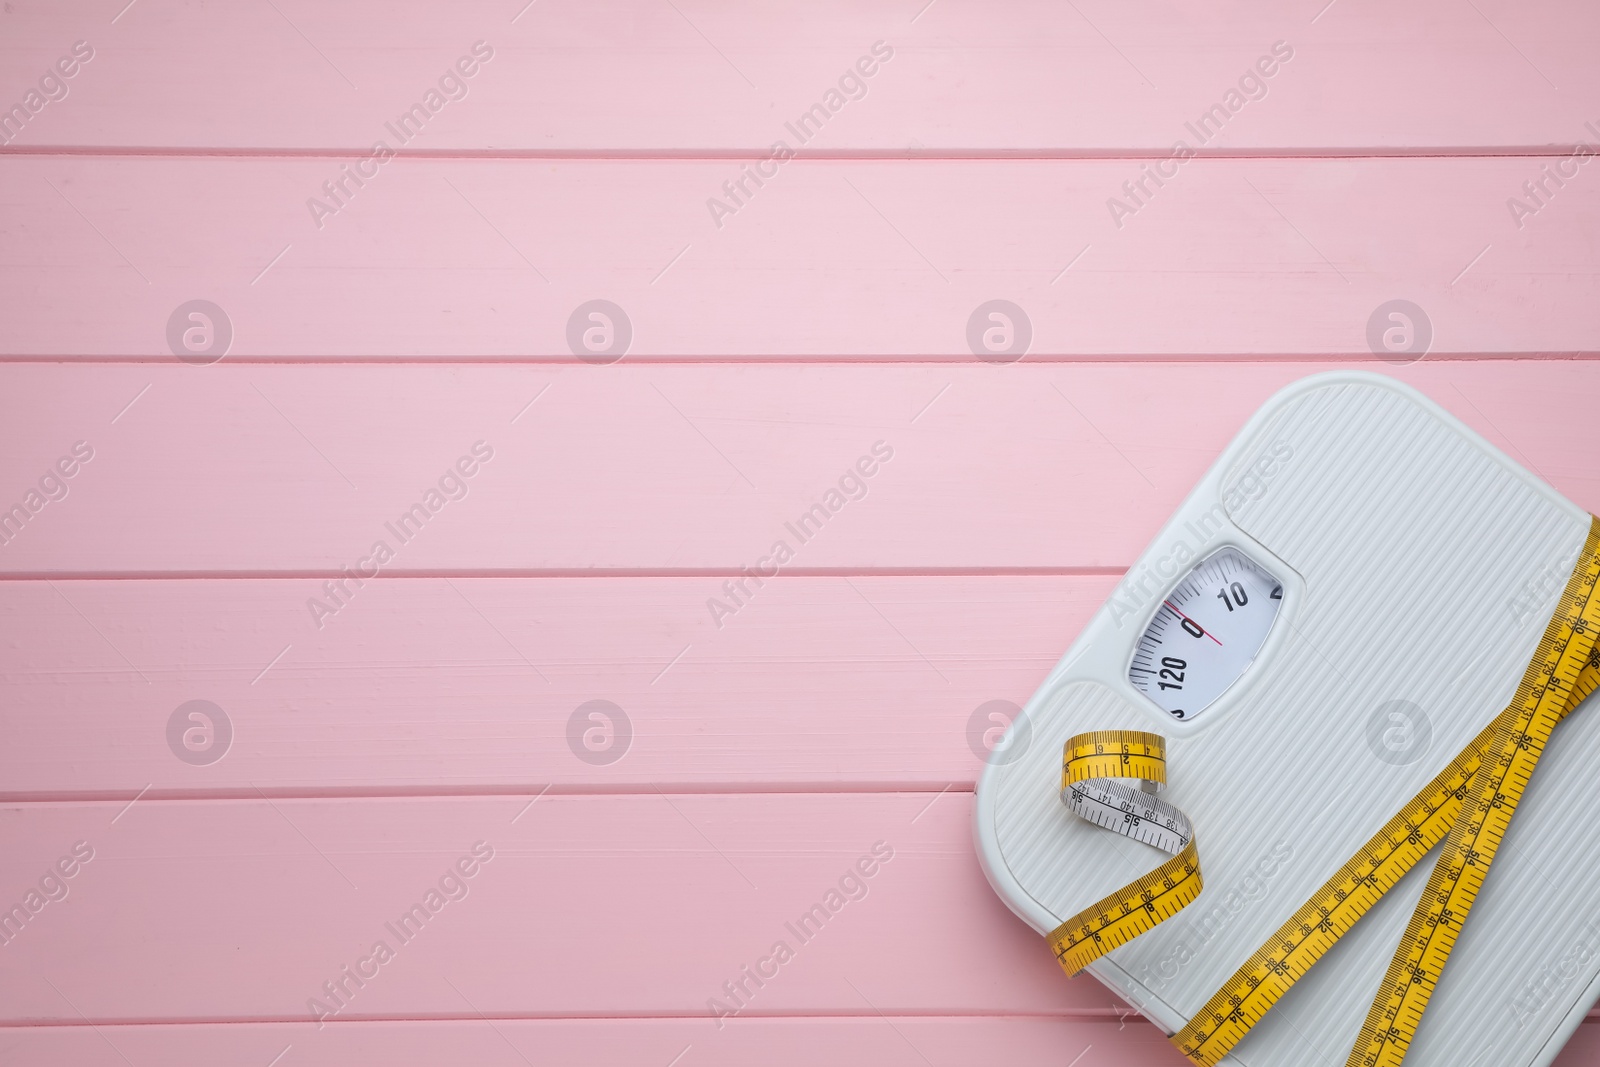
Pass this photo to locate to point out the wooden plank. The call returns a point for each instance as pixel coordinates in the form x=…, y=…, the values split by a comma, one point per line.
x=1030, y=77
x=588, y=907
x=473, y=685
x=575, y=908
x=480, y=259
x=282, y=470
x=906, y=1041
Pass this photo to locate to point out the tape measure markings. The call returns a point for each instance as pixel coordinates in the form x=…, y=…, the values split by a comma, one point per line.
x=1095, y=772
x=1553, y=685
x=1333, y=909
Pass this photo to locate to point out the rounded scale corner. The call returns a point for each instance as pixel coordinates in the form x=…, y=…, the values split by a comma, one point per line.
x=992, y=861
x=1325, y=379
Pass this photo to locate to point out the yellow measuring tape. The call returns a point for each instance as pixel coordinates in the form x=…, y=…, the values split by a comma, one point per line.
x=1468, y=806
x=1090, y=786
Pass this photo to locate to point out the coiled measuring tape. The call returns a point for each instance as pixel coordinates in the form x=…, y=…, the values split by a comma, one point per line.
x=1468, y=806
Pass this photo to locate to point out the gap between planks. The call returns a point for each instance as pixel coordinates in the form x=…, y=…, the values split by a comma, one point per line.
x=253, y=793
x=1107, y=1014
x=553, y=573
x=1342, y=359
x=842, y=155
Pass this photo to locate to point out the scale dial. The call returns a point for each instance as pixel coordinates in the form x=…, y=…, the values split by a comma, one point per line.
x=1206, y=633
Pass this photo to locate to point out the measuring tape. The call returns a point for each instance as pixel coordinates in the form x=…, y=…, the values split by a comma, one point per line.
x=1090, y=786
x=1468, y=806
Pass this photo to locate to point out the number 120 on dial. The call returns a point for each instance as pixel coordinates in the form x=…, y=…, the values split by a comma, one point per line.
x=1206, y=633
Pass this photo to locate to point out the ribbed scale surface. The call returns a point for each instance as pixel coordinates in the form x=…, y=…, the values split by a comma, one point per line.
x=1418, y=548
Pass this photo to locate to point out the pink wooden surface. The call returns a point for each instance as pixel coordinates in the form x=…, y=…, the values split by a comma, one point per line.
x=761, y=751
x=831, y=259
x=642, y=905
x=695, y=77
x=294, y=470
x=894, y=1041
x=808, y=688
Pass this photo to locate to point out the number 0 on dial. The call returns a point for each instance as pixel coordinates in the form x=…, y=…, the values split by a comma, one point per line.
x=1206, y=633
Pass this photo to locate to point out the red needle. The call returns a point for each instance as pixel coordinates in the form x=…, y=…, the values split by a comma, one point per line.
x=1181, y=615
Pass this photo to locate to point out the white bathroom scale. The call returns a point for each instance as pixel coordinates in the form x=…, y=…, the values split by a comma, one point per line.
x=1348, y=599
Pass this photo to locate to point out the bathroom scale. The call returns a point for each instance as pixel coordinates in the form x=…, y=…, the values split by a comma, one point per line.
x=1338, y=661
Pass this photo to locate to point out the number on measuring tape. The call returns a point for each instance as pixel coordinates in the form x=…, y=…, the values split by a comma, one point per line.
x=1109, y=778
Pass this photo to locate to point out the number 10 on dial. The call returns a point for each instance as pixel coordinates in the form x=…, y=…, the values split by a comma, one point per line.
x=1206, y=633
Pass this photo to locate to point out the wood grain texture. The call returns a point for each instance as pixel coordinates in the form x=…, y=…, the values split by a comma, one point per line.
x=904, y=1041
x=775, y=340
x=295, y=470
x=586, y=907
x=895, y=1041
x=590, y=907
x=470, y=685
x=695, y=78
x=485, y=259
